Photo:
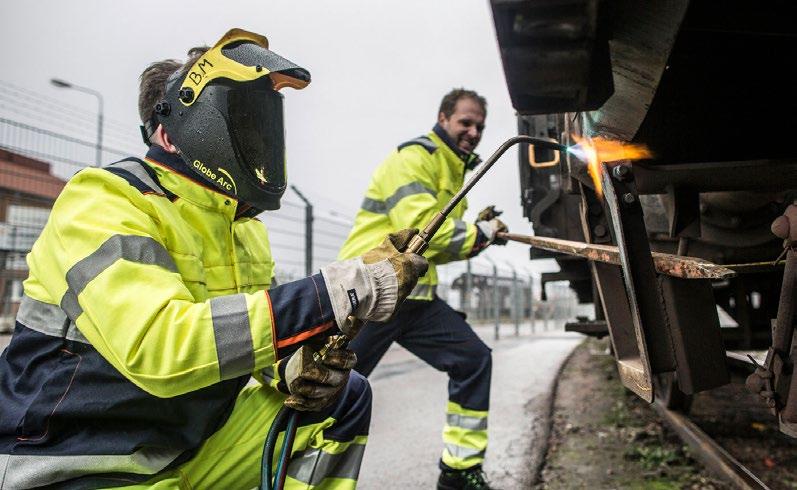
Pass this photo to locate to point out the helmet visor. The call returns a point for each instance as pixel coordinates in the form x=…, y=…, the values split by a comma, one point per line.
x=257, y=131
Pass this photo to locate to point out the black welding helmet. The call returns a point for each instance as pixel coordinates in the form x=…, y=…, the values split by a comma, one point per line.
x=225, y=116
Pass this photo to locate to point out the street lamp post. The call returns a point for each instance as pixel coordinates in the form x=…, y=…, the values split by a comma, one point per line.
x=64, y=84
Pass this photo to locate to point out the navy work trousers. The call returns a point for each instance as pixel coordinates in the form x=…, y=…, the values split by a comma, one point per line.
x=441, y=337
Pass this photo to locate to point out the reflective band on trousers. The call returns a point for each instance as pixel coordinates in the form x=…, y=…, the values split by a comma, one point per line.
x=466, y=422
x=384, y=207
x=313, y=465
x=423, y=291
x=48, y=319
x=134, y=248
x=27, y=471
x=462, y=452
x=458, y=237
x=233, y=335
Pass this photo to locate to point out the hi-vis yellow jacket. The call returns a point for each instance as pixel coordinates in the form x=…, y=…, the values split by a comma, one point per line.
x=406, y=190
x=145, y=313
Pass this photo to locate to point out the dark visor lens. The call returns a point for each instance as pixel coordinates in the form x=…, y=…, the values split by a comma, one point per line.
x=258, y=136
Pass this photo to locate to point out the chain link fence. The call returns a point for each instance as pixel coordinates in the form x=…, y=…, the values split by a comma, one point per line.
x=43, y=142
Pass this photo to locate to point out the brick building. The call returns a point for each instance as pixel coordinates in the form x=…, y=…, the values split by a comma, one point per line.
x=27, y=192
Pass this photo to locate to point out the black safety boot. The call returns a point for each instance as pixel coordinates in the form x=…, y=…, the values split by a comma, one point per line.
x=470, y=479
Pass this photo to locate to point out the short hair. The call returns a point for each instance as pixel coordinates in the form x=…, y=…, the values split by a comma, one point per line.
x=449, y=101
x=152, y=82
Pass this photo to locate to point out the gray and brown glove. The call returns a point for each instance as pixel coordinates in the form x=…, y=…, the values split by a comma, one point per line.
x=488, y=223
x=311, y=384
x=372, y=287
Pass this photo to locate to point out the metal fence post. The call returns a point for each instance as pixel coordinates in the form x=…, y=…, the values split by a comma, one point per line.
x=531, y=302
x=308, y=232
x=515, y=303
x=468, y=289
x=496, y=307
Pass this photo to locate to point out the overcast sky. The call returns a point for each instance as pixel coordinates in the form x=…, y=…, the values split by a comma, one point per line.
x=379, y=70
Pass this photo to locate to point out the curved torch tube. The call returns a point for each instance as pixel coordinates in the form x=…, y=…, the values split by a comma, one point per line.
x=420, y=241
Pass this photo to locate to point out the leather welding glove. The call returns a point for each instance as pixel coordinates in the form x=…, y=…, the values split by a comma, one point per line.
x=489, y=224
x=311, y=384
x=491, y=229
x=373, y=286
x=488, y=213
x=785, y=226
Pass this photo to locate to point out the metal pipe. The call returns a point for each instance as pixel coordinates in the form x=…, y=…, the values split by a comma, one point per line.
x=420, y=241
x=668, y=264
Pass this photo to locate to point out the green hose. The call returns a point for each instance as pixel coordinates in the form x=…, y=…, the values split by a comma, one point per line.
x=268, y=448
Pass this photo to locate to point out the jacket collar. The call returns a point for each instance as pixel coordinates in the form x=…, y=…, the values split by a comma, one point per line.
x=178, y=178
x=469, y=159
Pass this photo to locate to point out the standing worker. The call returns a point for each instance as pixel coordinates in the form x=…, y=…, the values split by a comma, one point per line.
x=406, y=190
x=146, y=310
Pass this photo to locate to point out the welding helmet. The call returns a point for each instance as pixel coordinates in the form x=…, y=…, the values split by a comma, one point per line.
x=225, y=116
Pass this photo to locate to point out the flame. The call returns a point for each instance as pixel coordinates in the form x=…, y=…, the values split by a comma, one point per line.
x=599, y=149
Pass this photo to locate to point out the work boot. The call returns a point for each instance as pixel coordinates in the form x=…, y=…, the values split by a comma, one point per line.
x=469, y=479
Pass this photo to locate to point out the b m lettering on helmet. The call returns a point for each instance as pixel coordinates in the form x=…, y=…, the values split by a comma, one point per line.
x=201, y=65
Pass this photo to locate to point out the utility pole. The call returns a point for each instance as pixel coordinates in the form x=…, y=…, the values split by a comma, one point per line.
x=308, y=232
x=64, y=84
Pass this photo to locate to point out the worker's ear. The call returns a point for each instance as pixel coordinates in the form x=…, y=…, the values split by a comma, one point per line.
x=441, y=118
x=161, y=137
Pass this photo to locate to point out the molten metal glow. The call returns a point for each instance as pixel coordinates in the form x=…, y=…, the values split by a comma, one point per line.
x=598, y=149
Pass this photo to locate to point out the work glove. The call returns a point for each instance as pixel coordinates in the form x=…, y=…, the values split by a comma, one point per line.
x=490, y=225
x=785, y=226
x=312, y=382
x=373, y=286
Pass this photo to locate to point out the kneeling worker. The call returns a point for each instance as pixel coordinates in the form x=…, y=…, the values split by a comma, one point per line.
x=407, y=190
x=148, y=308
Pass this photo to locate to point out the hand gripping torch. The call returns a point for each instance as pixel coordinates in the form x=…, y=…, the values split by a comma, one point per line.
x=287, y=419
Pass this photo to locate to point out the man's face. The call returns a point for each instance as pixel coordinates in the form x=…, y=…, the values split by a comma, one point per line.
x=465, y=125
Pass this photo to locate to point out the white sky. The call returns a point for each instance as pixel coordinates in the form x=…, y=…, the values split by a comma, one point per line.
x=379, y=70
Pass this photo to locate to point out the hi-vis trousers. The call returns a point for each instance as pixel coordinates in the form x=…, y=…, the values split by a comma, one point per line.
x=327, y=451
x=442, y=338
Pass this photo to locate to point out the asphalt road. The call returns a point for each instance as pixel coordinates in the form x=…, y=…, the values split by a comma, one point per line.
x=409, y=402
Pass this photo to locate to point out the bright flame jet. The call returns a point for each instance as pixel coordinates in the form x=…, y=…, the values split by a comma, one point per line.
x=599, y=149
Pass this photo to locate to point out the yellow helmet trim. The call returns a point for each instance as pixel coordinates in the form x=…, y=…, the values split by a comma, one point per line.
x=214, y=64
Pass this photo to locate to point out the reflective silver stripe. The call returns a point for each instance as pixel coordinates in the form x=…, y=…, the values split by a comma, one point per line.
x=233, y=336
x=466, y=422
x=374, y=206
x=27, y=471
x=458, y=237
x=135, y=168
x=384, y=207
x=313, y=465
x=48, y=319
x=463, y=452
x=423, y=291
x=134, y=248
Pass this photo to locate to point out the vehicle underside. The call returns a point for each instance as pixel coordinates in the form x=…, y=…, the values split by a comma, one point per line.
x=674, y=250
